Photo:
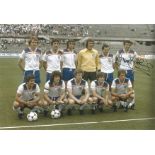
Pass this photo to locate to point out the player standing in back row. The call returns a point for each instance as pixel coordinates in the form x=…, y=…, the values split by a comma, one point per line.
x=68, y=61
x=31, y=57
x=107, y=62
x=52, y=59
x=88, y=61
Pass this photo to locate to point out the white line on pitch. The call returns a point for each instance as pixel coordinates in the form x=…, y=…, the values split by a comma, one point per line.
x=67, y=124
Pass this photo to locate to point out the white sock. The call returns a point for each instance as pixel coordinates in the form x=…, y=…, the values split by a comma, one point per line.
x=131, y=103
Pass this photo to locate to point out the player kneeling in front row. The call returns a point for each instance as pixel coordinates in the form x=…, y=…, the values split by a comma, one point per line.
x=78, y=92
x=100, y=93
x=54, y=93
x=122, y=92
x=27, y=96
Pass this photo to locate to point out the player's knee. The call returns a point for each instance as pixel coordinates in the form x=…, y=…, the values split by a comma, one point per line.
x=45, y=103
x=90, y=100
x=65, y=101
x=95, y=99
x=15, y=104
x=70, y=101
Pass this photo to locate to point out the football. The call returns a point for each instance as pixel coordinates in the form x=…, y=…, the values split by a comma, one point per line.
x=32, y=116
x=55, y=113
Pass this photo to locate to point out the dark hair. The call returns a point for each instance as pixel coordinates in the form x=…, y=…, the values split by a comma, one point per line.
x=55, y=40
x=29, y=77
x=121, y=71
x=101, y=74
x=89, y=40
x=55, y=73
x=127, y=41
x=104, y=46
x=32, y=38
x=77, y=71
x=70, y=41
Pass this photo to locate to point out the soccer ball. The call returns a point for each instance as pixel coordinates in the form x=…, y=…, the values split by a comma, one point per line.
x=32, y=116
x=55, y=113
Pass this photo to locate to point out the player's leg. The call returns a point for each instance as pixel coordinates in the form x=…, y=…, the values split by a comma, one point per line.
x=109, y=79
x=37, y=77
x=82, y=105
x=92, y=101
x=131, y=104
x=60, y=105
x=19, y=108
x=48, y=76
x=70, y=106
x=115, y=103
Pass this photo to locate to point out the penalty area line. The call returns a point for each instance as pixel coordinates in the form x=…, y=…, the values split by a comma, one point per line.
x=80, y=123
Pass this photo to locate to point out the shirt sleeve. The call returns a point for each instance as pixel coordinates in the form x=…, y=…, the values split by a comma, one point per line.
x=114, y=58
x=86, y=85
x=63, y=85
x=22, y=55
x=69, y=85
x=129, y=84
x=136, y=55
x=93, y=85
x=113, y=84
x=20, y=89
x=44, y=57
x=37, y=89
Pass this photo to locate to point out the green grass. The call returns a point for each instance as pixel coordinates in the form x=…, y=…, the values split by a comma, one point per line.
x=11, y=77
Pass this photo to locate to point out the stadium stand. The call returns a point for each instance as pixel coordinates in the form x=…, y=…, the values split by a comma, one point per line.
x=13, y=36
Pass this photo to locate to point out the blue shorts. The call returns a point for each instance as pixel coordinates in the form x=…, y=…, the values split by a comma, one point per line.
x=130, y=75
x=36, y=74
x=54, y=98
x=48, y=76
x=67, y=73
x=78, y=97
x=109, y=78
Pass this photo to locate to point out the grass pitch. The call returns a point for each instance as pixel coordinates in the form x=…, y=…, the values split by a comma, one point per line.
x=11, y=77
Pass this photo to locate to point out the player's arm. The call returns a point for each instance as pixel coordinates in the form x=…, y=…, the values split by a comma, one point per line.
x=96, y=95
x=46, y=93
x=40, y=64
x=19, y=100
x=69, y=89
x=44, y=63
x=106, y=95
x=62, y=93
x=76, y=60
x=86, y=96
x=93, y=88
x=113, y=92
x=130, y=89
x=36, y=98
x=72, y=96
x=79, y=60
x=20, y=64
x=62, y=96
x=116, y=61
x=46, y=97
x=98, y=64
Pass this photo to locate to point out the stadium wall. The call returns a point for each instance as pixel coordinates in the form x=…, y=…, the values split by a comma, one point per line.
x=16, y=55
